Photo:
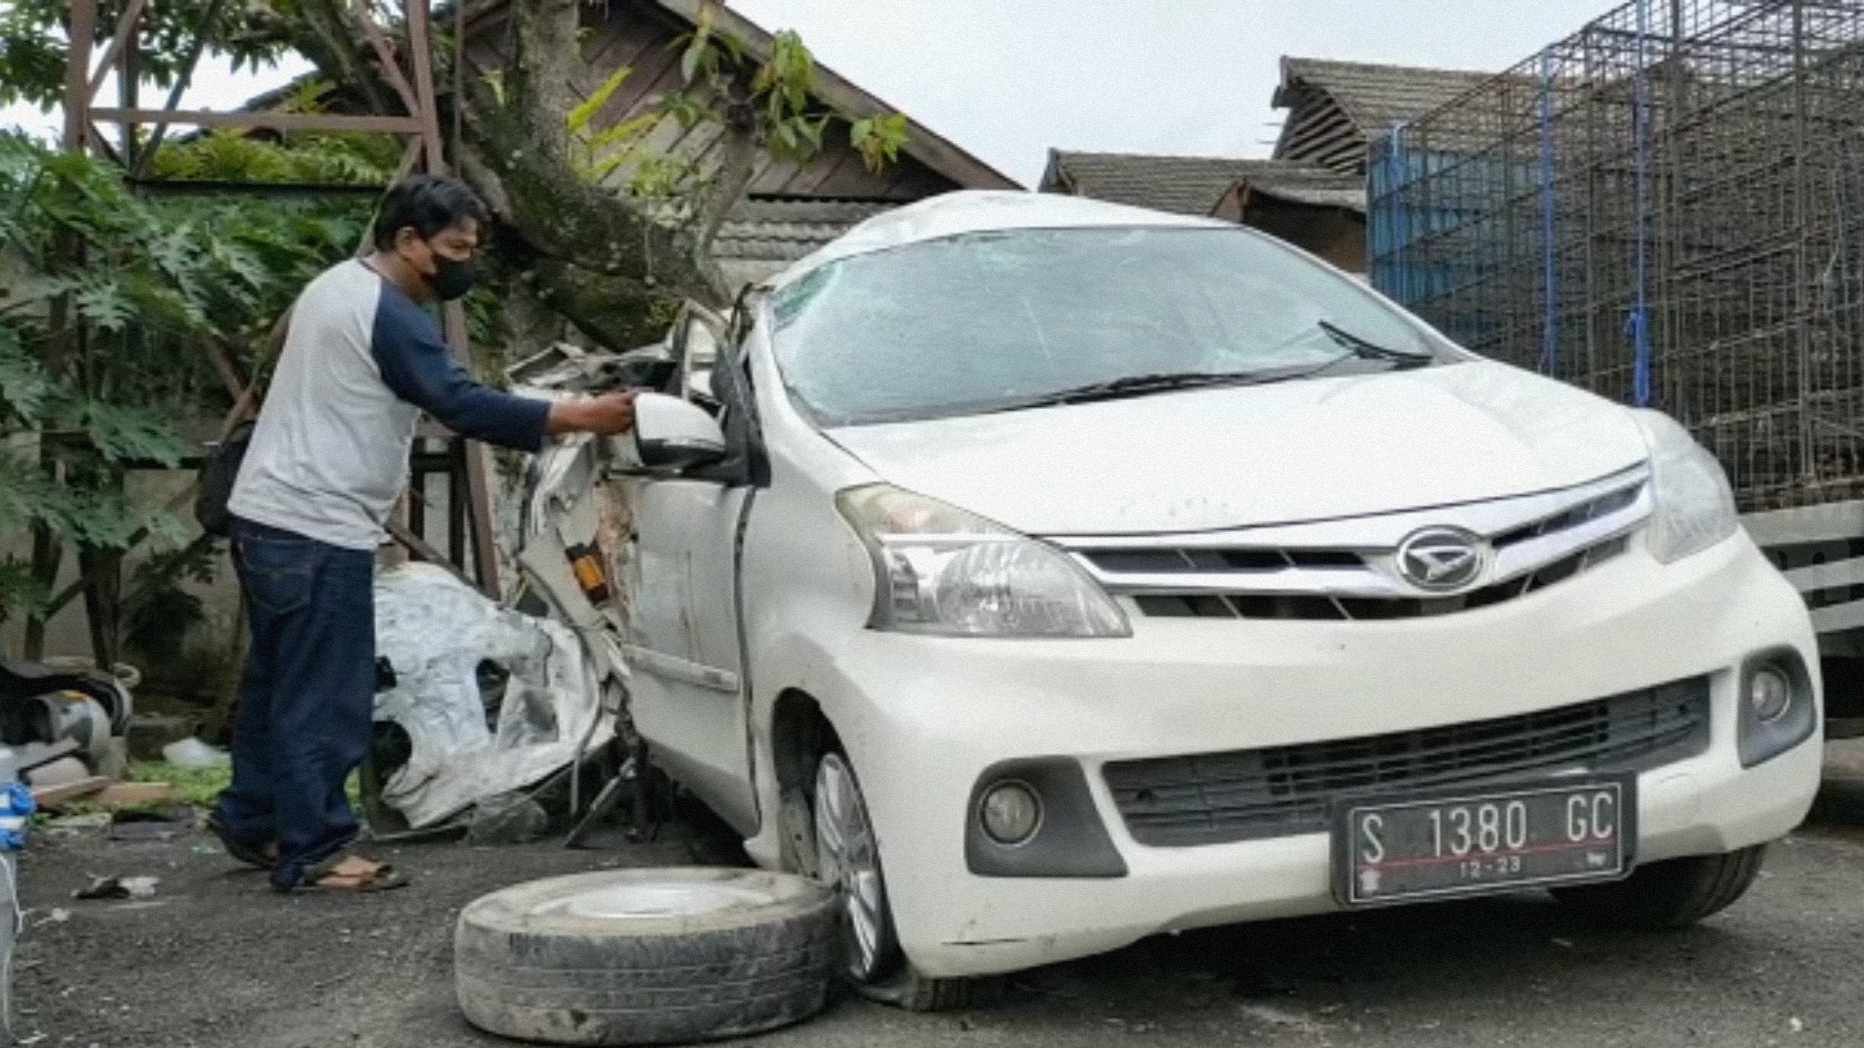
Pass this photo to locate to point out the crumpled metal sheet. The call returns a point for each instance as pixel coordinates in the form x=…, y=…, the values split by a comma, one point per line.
x=435, y=631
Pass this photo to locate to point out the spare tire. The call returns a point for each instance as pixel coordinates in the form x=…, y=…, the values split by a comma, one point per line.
x=651, y=956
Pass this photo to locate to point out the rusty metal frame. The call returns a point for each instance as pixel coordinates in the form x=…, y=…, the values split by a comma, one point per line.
x=413, y=86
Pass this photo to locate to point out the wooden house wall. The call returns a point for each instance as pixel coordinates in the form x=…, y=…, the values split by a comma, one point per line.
x=1318, y=131
x=641, y=36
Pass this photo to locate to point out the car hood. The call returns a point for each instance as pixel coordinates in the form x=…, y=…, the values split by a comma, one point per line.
x=1295, y=451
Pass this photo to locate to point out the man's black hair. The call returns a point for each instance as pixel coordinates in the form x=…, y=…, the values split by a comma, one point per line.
x=430, y=204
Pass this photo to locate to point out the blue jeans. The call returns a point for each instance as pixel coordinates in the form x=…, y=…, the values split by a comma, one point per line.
x=307, y=698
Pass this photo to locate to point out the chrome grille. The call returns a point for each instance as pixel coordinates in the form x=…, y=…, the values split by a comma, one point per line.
x=1298, y=606
x=1213, y=798
x=1345, y=569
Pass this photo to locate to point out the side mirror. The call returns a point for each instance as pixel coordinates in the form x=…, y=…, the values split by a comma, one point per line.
x=671, y=434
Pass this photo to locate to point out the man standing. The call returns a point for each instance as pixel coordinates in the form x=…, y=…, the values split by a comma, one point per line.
x=328, y=459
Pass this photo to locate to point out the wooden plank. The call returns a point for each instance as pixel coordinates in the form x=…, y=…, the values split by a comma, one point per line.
x=227, y=370
x=126, y=27
x=653, y=78
x=852, y=178
x=935, y=151
x=77, y=71
x=409, y=157
x=456, y=506
x=656, y=142
x=420, y=56
x=182, y=79
x=1329, y=126
x=100, y=144
x=774, y=176
x=818, y=171
x=1831, y=522
x=627, y=38
x=135, y=795
x=275, y=121
x=65, y=793
x=479, y=495
x=385, y=54
x=479, y=490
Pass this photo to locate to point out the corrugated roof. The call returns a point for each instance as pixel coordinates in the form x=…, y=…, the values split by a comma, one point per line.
x=763, y=235
x=1193, y=185
x=1374, y=97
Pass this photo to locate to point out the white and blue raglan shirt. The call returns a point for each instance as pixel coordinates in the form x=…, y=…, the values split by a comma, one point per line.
x=361, y=361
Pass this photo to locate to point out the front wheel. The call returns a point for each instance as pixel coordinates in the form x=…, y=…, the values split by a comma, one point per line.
x=1672, y=894
x=848, y=861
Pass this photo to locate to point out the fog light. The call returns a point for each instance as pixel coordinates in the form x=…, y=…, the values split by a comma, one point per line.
x=1011, y=813
x=1770, y=694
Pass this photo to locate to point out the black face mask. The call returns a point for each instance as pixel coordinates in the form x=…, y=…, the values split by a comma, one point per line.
x=452, y=278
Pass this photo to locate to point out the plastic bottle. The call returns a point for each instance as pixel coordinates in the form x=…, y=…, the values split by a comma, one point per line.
x=16, y=805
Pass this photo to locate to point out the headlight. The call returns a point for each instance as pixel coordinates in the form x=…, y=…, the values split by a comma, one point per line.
x=1695, y=505
x=942, y=570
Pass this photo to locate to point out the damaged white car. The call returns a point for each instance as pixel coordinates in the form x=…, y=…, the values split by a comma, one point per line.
x=1050, y=574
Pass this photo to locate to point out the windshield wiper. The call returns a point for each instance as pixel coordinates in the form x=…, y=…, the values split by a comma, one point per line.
x=1367, y=350
x=1164, y=381
x=1138, y=385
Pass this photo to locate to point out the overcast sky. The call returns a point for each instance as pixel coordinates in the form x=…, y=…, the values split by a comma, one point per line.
x=1007, y=79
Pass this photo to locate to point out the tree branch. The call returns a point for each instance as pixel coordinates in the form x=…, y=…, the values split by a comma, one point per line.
x=333, y=41
x=523, y=143
x=614, y=312
x=738, y=151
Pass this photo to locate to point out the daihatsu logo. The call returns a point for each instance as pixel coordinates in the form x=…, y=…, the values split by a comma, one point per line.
x=1440, y=559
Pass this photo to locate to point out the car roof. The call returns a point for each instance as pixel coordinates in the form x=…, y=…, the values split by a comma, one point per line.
x=982, y=210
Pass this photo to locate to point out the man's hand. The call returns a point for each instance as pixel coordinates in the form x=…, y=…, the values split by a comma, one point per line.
x=606, y=415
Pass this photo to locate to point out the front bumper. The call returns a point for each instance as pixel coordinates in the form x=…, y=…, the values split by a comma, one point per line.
x=923, y=717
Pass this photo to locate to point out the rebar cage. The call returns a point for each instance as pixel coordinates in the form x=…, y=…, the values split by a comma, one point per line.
x=1666, y=208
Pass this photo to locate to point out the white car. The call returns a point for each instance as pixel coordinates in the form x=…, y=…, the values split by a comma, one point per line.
x=1049, y=574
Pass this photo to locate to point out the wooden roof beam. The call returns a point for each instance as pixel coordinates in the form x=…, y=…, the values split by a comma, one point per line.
x=401, y=125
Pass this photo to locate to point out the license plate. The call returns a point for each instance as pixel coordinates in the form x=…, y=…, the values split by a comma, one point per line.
x=1484, y=840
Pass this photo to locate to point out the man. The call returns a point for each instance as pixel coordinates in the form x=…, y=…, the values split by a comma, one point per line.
x=328, y=459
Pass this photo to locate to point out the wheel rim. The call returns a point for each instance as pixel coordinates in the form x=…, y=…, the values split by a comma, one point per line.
x=849, y=861
x=648, y=901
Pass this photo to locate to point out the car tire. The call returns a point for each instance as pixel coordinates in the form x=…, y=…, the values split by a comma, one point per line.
x=848, y=863
x=654, y=956
x=1672, y=894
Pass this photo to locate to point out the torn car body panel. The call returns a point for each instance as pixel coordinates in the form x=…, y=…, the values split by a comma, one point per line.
x=439, y=635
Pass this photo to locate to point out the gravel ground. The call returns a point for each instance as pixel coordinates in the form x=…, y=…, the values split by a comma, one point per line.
x=216, y=959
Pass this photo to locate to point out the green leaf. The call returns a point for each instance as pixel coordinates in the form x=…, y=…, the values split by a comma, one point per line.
x=23, y=382
x=103, y=303
x=241, y=262
x=123, y=433
x=20, y=593
x=581, y=115
x=167, y=531
x=624, y=132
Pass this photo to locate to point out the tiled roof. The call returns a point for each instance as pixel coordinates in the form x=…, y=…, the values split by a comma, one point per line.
x=763, y=235
x=1374, y=97
x=1193, y=185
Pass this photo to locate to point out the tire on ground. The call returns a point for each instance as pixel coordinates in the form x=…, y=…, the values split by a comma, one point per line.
x=651, y=956
x=1672, y=894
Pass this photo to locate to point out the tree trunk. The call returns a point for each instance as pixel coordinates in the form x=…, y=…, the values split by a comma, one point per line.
x=47, y=557
x=598, y=257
